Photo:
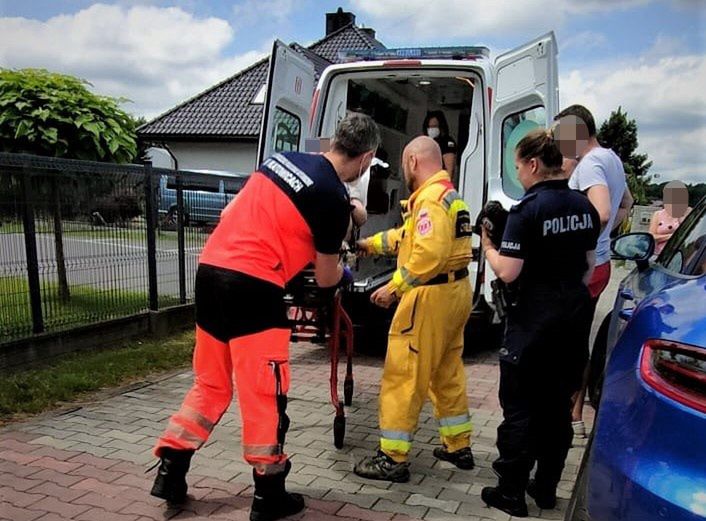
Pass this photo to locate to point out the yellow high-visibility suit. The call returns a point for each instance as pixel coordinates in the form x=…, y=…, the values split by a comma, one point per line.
x=433, y=248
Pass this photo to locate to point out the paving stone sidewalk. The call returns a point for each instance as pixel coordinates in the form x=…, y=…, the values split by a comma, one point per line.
x=89, y=462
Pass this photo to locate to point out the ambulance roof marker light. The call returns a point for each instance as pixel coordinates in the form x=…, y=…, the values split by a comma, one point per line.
x=414, y=53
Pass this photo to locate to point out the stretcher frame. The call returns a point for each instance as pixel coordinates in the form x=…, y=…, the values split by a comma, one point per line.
x=315, y=316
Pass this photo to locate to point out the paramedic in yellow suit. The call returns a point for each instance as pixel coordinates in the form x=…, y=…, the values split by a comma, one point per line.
x=433, y=248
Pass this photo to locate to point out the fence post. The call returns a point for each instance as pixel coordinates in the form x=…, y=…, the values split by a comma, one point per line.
x=30, y=235
x=150, y=209
x=181, y=245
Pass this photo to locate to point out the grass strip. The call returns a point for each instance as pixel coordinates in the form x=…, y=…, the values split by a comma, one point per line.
x=88, y=304
x=73, y=376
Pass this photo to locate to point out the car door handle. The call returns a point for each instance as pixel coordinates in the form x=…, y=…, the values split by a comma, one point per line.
x=627, y=294
x=626, y=314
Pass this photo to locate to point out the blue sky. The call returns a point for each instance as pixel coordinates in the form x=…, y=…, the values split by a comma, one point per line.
x=648, y=56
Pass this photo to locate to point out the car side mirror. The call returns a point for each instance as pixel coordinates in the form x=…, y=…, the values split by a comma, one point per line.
x=637, y=247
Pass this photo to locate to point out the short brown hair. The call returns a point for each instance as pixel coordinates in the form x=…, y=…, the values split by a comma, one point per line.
x=582, y=113
x=355, y=135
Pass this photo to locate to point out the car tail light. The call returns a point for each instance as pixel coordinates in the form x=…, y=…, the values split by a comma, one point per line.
x=676, y=370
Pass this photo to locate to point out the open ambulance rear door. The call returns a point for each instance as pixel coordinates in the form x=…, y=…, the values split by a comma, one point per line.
x=285, y=117
x=525, y=95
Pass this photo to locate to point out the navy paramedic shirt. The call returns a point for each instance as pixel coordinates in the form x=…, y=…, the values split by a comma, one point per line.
x=293, y=206
x=551, y=229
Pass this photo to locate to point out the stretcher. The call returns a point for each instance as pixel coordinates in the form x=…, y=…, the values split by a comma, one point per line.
x=317, y=315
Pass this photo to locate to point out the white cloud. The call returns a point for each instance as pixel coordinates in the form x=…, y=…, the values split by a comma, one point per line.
x=458, y=18
x=462, y=18
x=665, y=95
x=666, y=45
x=154, y=56
x=585, y=40
x=249, y=11
x=590, y=6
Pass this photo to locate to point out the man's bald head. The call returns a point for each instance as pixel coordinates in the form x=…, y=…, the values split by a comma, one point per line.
x=427, y=152
x=421, y=159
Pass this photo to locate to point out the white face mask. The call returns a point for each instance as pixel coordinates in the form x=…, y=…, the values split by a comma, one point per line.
x=433, y=132
x=356, y=182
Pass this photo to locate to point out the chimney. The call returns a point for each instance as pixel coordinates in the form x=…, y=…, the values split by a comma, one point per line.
x=334, y=21
x=369, y=31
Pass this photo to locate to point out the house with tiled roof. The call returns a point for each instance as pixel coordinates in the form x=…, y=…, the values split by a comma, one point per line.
x=219, y=128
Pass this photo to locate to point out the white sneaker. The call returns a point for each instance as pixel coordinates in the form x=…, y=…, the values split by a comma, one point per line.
x=579, y=429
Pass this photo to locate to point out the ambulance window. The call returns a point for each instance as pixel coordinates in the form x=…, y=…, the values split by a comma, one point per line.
x=286, y=131
x=515, y=127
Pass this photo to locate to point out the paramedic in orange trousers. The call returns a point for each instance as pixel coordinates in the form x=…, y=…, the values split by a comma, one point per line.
x=293, y=210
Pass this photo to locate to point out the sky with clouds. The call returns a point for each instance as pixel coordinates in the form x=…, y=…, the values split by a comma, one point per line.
x=648, y=56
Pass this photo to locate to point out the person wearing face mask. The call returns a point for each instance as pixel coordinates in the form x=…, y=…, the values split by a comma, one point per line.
x=436, y=127
x=665, y=222
x=293, y=211
x=425, y=342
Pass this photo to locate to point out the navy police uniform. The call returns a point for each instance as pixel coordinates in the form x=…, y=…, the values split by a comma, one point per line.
x=543, y=353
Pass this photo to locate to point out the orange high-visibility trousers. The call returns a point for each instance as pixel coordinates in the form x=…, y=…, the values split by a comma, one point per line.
x=259, y=363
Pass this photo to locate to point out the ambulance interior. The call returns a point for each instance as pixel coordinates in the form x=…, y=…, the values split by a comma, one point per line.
x=398, y=101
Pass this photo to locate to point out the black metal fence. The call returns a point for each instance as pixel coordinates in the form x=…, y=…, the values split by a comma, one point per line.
x=82, y=242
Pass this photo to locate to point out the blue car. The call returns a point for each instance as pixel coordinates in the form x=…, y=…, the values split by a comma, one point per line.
x=646, y=459
x=205, y=196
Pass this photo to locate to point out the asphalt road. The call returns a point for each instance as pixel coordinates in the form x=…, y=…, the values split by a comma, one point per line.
x=103, y=262
x=605, y=304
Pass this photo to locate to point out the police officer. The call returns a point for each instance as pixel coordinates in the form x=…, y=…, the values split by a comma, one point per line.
x=294, y=210
x=547, y=251
x=433, y=248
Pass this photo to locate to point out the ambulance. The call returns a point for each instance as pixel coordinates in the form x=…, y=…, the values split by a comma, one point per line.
x=489, y=104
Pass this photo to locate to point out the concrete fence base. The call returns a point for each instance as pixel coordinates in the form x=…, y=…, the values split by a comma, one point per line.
x=45, y=346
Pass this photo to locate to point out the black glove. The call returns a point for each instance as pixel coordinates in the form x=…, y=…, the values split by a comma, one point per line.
x=493, y=217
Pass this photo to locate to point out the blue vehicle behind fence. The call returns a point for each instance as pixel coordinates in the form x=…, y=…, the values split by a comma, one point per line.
x=204, y=196
x=647, y=456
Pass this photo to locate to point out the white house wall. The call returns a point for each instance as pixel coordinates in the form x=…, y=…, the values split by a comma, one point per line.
x=233, y=157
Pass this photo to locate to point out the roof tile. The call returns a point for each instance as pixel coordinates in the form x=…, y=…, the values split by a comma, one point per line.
x=226, y=109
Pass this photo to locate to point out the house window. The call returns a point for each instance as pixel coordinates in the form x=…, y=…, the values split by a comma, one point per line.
x=515, y=127
x=259, y=98
x=286, y=131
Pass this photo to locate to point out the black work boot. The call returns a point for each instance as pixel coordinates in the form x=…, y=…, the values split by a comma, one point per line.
x=382, y=467
x=510, y=503
x=170, y=483
x=544, y=496
x=462, y=458
x=271, y=501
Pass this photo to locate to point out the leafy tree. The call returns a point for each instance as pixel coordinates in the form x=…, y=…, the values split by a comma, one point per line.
x=620, y=133
x=696, y=193
x=56, y=115
x=52, y=114
x=653, y=191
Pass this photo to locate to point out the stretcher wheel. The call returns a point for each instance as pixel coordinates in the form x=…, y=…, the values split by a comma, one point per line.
x=339, y=431
x=348, y=391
